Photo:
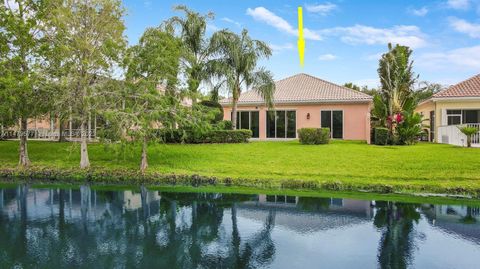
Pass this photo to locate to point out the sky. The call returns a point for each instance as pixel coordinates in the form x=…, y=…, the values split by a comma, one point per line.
x=344, y=38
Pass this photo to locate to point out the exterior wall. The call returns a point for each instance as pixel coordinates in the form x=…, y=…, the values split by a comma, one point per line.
x=440, y=107
x=356, y=117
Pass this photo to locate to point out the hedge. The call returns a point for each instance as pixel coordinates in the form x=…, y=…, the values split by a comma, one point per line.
x=230, y=136
x=195, y=137
x=314, y=136
x=381, y=136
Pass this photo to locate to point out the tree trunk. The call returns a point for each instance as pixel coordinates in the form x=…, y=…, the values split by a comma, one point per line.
x=24, y=160
x=144, y=162
x=469, y=141
x=84, y=161
x=61, y=130
x=234, y=115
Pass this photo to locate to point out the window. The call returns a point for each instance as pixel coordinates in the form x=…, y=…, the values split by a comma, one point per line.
x=471, y=116
x=333, y=119
x=249, y=120
x=462, y=116
x=454, y=117
x=281, y=124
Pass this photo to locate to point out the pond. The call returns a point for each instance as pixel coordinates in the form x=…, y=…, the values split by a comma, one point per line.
x=86, y=227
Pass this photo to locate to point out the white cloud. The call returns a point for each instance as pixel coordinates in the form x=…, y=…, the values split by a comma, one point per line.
x=465, y=27
x=327, y=57
x=467, y=58
x=419, y=12
x=322, y=9
x=408, y=35
x=279, y=48
x=458, y=4
x=236, y=23
x=264, y=15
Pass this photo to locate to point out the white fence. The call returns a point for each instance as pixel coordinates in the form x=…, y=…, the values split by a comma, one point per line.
x=48, y=134
x=451, y=134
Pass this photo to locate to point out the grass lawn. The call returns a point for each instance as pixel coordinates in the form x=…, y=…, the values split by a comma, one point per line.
x=423, y=167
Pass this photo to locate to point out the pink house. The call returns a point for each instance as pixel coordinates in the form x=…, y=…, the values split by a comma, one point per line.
x=304, y=101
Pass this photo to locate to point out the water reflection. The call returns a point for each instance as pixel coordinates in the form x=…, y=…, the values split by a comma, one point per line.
x=83, y=227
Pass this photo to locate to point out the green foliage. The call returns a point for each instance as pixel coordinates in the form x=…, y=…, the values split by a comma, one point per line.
x=197, y=49
x=410, y=129
x=225, y=125
x=381, y=136
x=216, y=107
x=469, y=131
x=200, y=136
x=397, y=80
x=237, y=66
x=314, y=136
x=230, y=136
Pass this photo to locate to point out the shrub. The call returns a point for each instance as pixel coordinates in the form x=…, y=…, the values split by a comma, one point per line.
x=314, y=136
x=229, y=136
x=214, y=105
x=225, y=125
x=409, y=129
x=381, y=136
x=469, y=132
x=195, y=137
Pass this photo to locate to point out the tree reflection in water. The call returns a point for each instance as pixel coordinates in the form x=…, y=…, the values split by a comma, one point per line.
x=65, y=228
x=396, y=220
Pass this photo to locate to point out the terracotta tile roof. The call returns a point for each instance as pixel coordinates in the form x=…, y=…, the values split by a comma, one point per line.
x=466, y=88
x=303, y=88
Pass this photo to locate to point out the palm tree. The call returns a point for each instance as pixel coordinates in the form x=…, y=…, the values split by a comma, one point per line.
x=469, y=131
x=197, y=49
x=397, y=79
x=237, y=64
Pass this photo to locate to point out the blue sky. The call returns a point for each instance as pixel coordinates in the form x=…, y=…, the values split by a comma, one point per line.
x=344, y=38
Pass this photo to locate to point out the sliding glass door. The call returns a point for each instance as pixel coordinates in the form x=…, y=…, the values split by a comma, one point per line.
x=333, y=119
x=249, y=120
x=281, y=124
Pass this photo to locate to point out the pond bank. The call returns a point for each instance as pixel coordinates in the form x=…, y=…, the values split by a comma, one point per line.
x=429, y=188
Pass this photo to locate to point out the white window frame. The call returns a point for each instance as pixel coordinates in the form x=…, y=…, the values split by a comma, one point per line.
x=331, y=122
x=454, y=115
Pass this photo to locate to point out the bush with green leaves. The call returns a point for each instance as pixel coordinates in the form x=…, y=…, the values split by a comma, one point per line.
x=216, y=108
x=190, y=136
x=409, y=129
x=225, y=125
x=314, y=136
x=229, y=136
x=469, y=131
x=381, y=136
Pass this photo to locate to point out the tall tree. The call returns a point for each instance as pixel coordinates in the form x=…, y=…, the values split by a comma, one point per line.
x=197, y=48
x=237, y=64
x=150, y=64
x=22, y=92
x=91, y=32
x=397, y=80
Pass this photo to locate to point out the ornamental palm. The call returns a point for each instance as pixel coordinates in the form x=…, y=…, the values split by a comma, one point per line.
x=469, y=132
x=237, y=64
x=197, y=50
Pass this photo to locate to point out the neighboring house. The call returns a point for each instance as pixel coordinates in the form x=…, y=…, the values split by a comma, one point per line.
x=48, y=127
x=304, y=101
x=455, y=106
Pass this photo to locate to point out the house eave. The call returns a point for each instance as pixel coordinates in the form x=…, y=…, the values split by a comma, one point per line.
x=455, y=99
x=305, y=102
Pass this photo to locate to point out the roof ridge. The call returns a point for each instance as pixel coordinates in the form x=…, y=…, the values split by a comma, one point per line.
x=334, y=84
